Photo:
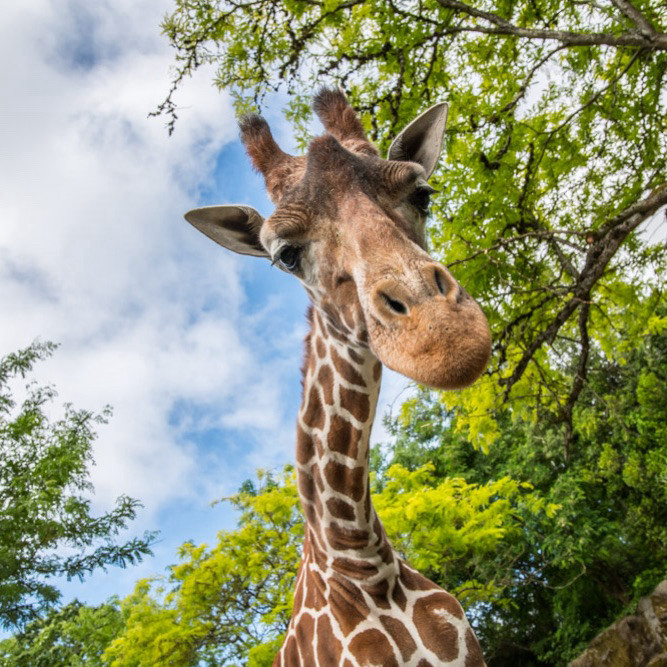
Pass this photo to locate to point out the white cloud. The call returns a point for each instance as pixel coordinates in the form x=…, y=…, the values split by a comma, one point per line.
x=94, y=252
x=152, y=318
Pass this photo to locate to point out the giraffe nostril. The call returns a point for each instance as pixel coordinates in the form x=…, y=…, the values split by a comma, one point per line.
x=397, y=306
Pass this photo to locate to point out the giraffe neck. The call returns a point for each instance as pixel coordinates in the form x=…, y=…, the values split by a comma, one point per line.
x=346, y=553
x=355, y=601
x=340, y=391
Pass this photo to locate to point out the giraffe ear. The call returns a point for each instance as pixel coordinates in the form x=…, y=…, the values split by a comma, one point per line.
x=422, y=140
x=233, y=227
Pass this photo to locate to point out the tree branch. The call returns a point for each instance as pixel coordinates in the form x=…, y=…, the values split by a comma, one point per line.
x=644, y=25
x=609, y=238
x=588, y=103
x=503, y=27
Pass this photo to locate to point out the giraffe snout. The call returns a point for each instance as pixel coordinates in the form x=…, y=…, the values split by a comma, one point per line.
x=426, y=326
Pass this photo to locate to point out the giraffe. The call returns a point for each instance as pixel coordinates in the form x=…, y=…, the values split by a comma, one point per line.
x=349, y=226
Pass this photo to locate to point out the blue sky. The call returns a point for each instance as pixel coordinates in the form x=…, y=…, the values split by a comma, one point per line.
x=197, y=350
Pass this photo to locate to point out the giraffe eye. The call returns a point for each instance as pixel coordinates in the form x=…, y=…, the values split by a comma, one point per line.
x=421, y=198
x=288, y=257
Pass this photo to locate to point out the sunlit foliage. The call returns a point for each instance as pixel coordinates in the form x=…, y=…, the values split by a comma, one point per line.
x=72, y=636
x=230, y=604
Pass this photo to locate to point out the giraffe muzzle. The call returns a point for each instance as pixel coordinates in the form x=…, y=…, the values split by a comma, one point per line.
x=425, y=326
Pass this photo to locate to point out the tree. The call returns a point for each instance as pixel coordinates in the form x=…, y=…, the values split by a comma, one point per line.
x=557, y=149
x=231, y=604
x=569, y=578
x=46, y=526
x=71, y=636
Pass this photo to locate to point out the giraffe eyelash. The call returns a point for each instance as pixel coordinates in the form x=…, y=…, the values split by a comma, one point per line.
x=421, y=198
x=288, y=258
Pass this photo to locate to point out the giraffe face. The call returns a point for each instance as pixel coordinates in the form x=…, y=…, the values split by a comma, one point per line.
x=323, y=233
x=351, y=227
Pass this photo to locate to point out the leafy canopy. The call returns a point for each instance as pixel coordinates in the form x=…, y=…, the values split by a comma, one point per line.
x=46, y=526
x=71, y=636
x=557, y=148
x=223, y=605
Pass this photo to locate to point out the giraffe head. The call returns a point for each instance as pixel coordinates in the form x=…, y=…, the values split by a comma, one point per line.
x=351, y=227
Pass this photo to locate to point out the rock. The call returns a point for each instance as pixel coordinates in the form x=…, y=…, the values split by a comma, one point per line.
x=639, y=640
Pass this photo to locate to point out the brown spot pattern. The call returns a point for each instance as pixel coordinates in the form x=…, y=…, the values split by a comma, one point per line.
x=328, y=647
x=398, y=596
x=315, y=587
x=321, y=348
x=400, y=634
x=355, y=403
x=355, y=569
x=424, y=663
x=357, y=358
x=474, y=657
x=304, y=632
x=311, y=363
x=449, y=603
x=348, y=481
x=348, y=318
x=371, y=647
x=310, y=512
x=333, y=332
x=438, y=635
x=385, y=551
x=343, y=437
x=315, y=471
x=291, y=653
x=347, y=604
x=346, y=370
x=306, y=486
x=377, y=371
x=415, y=581
x=304, y=446
x=379, y=593
x=298, y=593
x=320, y=559
x=340, y=509
x=313, y=415
x=340, y=538
x=326, y=382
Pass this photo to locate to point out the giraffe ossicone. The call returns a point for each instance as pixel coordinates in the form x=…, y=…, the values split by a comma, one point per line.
x=351, y=227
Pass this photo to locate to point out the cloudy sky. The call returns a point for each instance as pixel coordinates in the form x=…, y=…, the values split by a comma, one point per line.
x=197, y=350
